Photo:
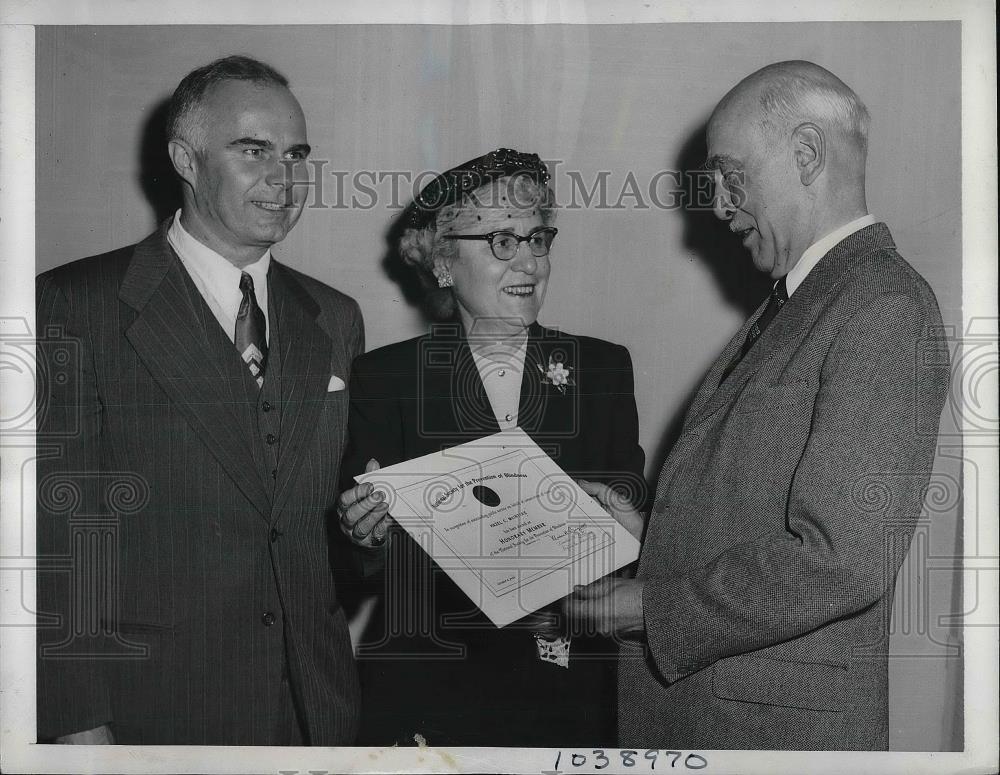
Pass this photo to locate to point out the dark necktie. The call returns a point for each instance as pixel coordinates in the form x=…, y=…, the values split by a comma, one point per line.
x=251, y=330
x=777, y=299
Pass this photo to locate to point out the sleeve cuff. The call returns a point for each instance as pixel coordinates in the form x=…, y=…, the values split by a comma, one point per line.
x=672, y=653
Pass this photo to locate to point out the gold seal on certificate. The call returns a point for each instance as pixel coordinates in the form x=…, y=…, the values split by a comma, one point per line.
x=510, y=528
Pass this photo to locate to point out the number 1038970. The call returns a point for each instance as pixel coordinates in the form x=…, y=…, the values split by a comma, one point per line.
x=648, y=760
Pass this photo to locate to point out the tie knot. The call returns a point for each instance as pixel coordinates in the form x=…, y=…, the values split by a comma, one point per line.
x=246, y=283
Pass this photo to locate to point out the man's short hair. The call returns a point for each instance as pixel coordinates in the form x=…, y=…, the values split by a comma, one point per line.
x=802, y=91
x=182, y=115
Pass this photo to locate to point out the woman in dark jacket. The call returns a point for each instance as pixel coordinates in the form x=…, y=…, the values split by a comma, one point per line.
x=431, y=663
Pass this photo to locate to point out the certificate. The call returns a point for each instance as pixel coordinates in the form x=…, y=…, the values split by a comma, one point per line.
x=510, y=528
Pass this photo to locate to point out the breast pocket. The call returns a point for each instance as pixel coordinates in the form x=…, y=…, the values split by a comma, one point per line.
x=767, y=431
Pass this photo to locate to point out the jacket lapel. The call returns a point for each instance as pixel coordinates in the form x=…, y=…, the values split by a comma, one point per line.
x=473, y=412
x=542, y=407
x=306, y=354
x=801, y=310
x=530, y=410
x=710, y=383
x=468, y=413
x=169, y=336
x=453, y=404
x=538, y=404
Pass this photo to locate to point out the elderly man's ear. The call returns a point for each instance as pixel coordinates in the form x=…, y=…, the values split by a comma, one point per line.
x=810, y=152
x=182, y=156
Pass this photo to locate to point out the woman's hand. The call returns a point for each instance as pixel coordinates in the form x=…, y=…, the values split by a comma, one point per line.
x=616, y=504
x=546, y=623
x=363, y=514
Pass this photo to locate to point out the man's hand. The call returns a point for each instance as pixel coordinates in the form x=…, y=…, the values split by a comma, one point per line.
x=362, y=513
x=612, y=606
x=99, y=736
x=616, y=504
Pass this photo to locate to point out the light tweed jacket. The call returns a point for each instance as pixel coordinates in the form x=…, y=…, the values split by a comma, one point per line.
x=782, y=515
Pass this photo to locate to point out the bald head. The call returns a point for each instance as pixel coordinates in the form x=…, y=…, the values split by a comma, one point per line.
x=787, y=94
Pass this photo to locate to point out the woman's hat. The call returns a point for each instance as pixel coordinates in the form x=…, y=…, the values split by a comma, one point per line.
x=449, y=187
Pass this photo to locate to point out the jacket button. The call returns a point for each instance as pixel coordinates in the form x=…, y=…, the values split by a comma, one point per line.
x=274, y=534
x=266, y=406
x=271, y=438
x=268, y=619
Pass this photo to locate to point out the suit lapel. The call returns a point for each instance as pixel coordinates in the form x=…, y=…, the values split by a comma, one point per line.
x=453, y=404
x=472, y=413
x=306, y=354
x=472, y=408
x=530, y=410
x=710, y=384
x=542, y=408
x=801, y=310
x=169, y=336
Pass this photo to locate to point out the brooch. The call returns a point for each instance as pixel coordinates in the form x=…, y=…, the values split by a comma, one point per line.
x=557, y=375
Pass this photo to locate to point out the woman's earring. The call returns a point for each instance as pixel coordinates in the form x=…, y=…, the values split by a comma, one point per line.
x=444, y=278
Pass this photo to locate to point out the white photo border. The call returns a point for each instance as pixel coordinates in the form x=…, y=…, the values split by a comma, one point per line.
x=17, y=234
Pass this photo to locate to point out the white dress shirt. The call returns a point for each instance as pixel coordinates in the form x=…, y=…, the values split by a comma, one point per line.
x=218, y=280
x=820, y=248
x=500, y=366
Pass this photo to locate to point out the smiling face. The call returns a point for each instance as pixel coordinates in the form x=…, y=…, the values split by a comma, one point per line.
x=755, y=187
x=240, y=199
x=499, y=297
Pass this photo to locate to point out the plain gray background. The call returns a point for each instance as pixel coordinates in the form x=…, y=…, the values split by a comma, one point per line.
x=667, y=283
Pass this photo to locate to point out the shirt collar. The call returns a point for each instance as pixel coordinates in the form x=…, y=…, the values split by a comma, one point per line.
x=820, y=248
x=222, y=276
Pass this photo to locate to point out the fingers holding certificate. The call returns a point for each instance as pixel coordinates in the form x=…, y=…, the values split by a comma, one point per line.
x=510, y=528
x=616, y=504
x=363, y=514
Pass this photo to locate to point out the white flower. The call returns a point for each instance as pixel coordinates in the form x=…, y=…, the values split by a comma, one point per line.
x=557, y=375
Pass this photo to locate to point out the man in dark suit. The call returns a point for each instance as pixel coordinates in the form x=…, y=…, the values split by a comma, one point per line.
x=192, y=415
x=759, y=614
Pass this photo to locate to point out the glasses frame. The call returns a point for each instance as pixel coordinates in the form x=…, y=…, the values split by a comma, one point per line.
x=490, y=236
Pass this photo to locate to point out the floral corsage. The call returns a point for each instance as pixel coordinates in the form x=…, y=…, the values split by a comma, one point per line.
x=558, y=375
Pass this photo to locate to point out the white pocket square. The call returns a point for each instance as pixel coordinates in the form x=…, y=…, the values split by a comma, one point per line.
x=336, y=383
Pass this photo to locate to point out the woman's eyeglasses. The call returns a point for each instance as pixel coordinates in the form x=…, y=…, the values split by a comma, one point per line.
x=505, y=244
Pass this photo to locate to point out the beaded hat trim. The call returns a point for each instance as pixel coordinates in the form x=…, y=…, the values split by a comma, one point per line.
x=449, y=187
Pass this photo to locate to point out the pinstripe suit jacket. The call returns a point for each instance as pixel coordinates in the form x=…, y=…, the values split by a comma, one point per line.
x=782, y=515
x=178, y=568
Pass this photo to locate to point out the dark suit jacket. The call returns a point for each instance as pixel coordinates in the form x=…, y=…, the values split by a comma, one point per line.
x=432, y=663
x=179, y=567
x=782, y=515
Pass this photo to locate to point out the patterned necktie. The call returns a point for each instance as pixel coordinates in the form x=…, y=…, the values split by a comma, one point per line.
x=777, y=299
x=251, y=331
